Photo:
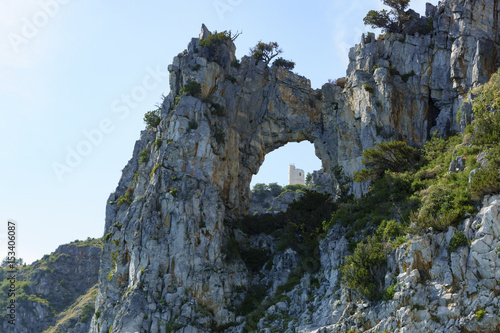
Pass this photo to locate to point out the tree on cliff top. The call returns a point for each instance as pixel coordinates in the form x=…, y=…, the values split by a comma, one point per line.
x=265, y=51
x=389, y=21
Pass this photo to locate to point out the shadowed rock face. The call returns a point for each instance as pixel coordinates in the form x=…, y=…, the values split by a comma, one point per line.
x=168, y=222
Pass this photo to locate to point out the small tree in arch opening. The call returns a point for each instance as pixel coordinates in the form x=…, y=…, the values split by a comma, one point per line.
x=265, y=51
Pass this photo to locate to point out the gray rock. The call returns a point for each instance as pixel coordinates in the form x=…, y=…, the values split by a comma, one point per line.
x=170, y=261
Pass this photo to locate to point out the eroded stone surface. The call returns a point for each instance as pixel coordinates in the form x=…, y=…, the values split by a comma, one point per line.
x=166, y=256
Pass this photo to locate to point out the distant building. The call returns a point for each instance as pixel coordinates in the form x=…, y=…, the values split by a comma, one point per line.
x=295, y=176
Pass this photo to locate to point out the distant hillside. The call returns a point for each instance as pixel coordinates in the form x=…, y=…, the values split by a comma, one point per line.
x=59, y=287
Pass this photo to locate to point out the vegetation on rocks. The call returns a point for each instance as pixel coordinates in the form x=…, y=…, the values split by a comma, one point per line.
x=265, y=51
x=392, y=20
x=286, y=64
x=152, y=118
x=59, y=284
x=299, y=228
x=213, y=41
x=413, y=190
x=192, y=88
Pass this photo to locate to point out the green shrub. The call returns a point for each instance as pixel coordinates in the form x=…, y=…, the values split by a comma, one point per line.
x=389, y=21
x=444, y=203
x=196, y=67
x=315, y=282
x=483, y=182
x=389, y=195
x=154, y=170
x=362, y=271
x=286, y=64
x=369, y=88
x=176, y=102
x=144, y=156
x=486, y=111
x=303, y=226
x=215, y=40
x=457, y=240
x=265, y=51
x=394, y=156
x=192, y=88
x=389, y=293
x=126, y=198
x=480, y=314
x=108, y=237
x=217, y=109
x=485, y=131
x=389, y=230
x=174, y=192
x=152, y=118
x=157, y=143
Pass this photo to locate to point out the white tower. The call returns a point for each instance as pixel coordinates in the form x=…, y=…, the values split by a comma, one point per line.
x=295, y=176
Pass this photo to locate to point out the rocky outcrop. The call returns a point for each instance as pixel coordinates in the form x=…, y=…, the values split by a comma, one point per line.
x=273, y=204
x=435, y=290
x=407, y=87
x=190, y=175
x=50, y=285
x=165, y=261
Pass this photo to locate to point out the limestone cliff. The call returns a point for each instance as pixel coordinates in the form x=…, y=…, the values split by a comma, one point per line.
x=165, y=262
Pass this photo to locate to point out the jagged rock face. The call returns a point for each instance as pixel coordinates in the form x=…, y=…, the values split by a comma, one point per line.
x=436, y=291
x=167, y=224
x=265, y=109
x=406, y=87
x=167, y=244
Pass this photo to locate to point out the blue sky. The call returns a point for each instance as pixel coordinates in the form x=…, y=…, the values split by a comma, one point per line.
x=74, y=72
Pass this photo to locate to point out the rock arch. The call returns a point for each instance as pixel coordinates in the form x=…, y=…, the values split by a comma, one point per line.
x=279, y=107
x=166, y=225
x=265, y=108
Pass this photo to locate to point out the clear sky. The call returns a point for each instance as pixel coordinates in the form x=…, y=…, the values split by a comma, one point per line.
x=67, y=66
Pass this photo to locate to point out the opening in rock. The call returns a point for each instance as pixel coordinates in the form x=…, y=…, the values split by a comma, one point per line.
x=276, y=164
x=281, y=177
